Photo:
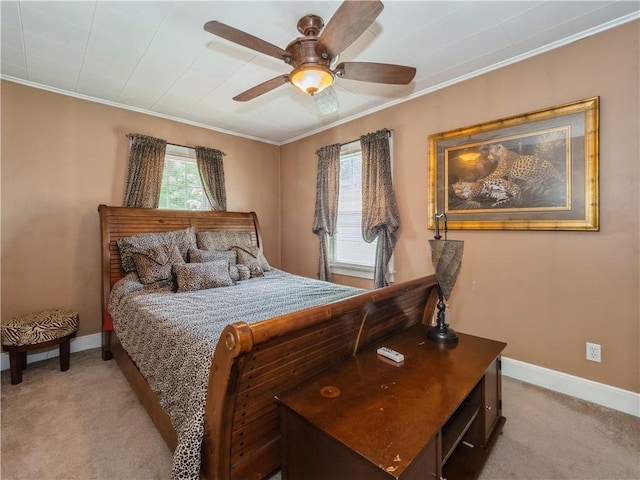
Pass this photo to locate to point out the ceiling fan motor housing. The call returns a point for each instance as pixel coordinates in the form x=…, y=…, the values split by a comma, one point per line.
x=312, y=72
x=303, y=49
x=303, y=52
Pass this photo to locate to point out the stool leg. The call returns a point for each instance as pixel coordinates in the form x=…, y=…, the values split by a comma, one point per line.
x=23, y=358
x=15, y=362
x=65, y=349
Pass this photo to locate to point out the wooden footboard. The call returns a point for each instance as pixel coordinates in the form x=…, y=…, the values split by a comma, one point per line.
x=253, y=363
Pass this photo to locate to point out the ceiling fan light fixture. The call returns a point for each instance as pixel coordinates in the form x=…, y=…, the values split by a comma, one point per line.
x=311, y=79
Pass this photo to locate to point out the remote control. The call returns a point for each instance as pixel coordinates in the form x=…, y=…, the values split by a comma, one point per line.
x=391, y=354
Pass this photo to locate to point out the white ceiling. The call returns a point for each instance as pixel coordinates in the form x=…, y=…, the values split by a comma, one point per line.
x=155, y=57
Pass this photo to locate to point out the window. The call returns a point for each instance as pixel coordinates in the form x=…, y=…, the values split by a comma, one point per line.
x=181, y=184
x=350, y=254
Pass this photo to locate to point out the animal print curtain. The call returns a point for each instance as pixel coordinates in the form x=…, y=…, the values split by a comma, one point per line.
x=327, y=189
x=380, y=216
x=144, y=176
x=212, y=175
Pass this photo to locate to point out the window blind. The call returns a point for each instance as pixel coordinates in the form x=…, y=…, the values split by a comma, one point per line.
x=348, y=246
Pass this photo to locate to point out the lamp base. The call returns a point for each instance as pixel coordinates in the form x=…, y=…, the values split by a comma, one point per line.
x=442, y=334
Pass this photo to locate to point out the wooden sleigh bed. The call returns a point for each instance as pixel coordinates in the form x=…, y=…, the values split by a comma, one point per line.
x=254, y=362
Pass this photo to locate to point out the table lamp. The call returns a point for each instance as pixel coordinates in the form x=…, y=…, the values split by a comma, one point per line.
x=446, y=256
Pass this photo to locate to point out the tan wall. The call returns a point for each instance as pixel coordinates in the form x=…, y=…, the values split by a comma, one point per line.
x=545, y=293
x=61, y=158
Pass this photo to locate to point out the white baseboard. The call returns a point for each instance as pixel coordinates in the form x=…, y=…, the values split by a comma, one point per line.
x=78, y=344
x=605, y=395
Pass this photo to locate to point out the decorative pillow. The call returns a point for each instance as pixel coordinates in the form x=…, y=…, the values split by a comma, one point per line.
x=244, y=272
x=252, y=256
x=222, y=240
x=201, y=256
x=154, y=264
x=256, y=271
x=198, y=276
x=183, y=239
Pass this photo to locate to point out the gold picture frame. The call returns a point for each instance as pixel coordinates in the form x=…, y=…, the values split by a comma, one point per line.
x=537, y=171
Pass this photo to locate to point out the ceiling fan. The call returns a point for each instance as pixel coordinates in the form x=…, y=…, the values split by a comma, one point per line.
x=314, y=56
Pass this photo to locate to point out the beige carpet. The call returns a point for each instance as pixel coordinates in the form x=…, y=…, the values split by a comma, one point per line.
x=87, y=424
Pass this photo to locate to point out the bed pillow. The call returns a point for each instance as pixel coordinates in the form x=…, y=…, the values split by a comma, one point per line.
x=252, y=256
x=222, y=240
x=256, y=271
x=183, y=239
x=201, y=256
x=154, y=264
x=199, y=276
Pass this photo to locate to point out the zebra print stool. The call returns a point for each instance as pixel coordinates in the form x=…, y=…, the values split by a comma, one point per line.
x=38, y=330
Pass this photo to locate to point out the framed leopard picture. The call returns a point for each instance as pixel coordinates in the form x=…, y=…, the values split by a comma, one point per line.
x=537, y=171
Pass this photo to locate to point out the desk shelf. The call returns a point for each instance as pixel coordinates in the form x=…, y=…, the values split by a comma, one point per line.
x=460, y=422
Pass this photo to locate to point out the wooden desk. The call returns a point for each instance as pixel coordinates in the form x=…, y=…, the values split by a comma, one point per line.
x=437, y=415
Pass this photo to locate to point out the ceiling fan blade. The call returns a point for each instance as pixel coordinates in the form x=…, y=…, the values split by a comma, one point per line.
x=376, y=72
x=246, y=40
x=262, y=88
x=349, y=22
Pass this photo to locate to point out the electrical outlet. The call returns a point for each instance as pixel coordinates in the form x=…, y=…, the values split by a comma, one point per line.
x=593, y=352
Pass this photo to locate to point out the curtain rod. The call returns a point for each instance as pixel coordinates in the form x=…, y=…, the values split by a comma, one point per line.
x=178, y=145
x=358, y=139
x=170, y=143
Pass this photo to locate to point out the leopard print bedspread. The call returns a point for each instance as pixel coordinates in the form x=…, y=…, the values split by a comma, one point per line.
x=172, y=336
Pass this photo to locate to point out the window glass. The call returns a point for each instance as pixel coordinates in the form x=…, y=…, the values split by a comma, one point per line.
x=350, y=254
x=181, y=184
